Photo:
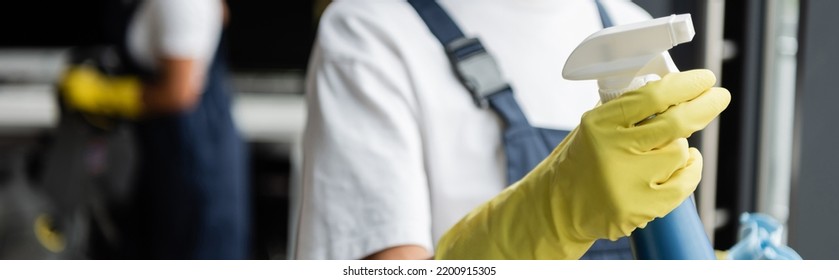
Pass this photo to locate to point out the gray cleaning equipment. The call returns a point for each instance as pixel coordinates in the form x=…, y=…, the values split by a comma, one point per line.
x=624, y=58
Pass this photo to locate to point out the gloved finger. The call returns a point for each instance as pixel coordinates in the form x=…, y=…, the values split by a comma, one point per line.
x=657, y=96
x=681, y=121
x=664, y=161
x=659, y=166
x=681, y=184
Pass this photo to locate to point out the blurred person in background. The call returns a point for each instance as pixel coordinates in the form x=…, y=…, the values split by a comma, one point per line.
x=401, y=160
x=192, y=198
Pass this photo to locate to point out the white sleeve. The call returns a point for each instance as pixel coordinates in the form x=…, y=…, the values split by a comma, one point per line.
x=364, y=186
x=187, y=29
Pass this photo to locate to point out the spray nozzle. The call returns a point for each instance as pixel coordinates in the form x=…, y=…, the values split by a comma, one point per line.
x=625, y=57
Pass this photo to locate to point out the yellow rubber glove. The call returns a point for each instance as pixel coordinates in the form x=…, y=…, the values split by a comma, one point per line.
x=610, y=176
x=86, y=89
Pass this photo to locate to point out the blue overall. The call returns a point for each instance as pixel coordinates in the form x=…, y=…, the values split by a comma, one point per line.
x=192, y=179
x=524, y=145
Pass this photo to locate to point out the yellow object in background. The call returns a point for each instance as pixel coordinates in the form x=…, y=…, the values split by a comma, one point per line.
x=49, y=238
x=611, y=175
x=721, y=255
x=86, y=89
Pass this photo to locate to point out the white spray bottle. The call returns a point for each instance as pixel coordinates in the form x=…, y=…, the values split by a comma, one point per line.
x=624, y=58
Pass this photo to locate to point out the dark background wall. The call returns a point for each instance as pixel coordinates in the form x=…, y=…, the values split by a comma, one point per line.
x=263, y=34
x=51, y=23
x=813, y=221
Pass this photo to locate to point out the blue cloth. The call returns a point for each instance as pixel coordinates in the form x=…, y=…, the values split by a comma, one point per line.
x=192, y=179
x=761, y=239
x=525, y=146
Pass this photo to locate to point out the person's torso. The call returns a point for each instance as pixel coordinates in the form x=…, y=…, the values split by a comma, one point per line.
x=462, y=144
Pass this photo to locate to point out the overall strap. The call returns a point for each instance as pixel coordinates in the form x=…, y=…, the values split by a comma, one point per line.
x=476, y=69
x=605, y=19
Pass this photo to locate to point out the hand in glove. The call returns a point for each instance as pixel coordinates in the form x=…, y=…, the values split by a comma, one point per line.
x=617, y=171
x=86, y=89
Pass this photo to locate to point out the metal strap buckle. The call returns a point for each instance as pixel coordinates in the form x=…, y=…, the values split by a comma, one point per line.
x=476, y=69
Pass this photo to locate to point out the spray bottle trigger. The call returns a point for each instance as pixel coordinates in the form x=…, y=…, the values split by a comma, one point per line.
x=655, y=69
x=660, y=65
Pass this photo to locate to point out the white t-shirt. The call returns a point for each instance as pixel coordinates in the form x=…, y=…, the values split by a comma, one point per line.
x=395, y=150
x=179, y=29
